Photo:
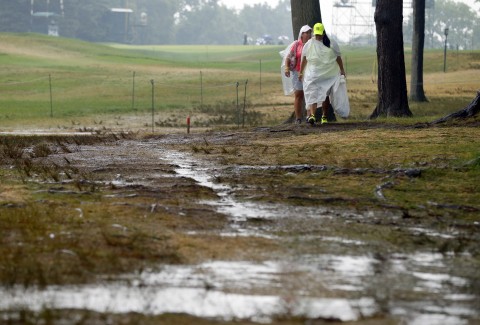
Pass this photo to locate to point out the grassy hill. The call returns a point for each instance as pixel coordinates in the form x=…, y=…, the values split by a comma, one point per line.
x=56, y=83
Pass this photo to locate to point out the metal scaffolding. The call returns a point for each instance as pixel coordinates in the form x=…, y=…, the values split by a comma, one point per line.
x=353, y=20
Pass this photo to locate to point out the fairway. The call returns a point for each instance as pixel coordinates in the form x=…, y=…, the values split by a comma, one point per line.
x=56, y=83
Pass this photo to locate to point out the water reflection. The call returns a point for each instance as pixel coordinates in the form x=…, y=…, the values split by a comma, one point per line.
x=215, y=289
x=260, y=291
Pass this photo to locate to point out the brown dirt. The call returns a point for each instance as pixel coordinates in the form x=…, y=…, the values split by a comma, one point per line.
x=137, y=212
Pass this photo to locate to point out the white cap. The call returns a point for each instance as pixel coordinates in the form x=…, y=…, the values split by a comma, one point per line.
x=304, y=29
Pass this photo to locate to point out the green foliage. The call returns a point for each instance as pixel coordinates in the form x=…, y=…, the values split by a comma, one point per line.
x=206, y=22
x=167, y=22
x=83, y=20
x=15, y=16
x=459, y=18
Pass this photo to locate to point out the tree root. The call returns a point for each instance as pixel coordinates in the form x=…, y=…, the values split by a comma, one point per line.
x=470, y=110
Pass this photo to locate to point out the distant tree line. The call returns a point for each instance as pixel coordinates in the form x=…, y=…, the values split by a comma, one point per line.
x=148, y=21
x=204, y=21
x=461, y=20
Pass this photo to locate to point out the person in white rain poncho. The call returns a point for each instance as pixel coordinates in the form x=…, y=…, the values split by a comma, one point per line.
x=292, y=57
x=323, y=75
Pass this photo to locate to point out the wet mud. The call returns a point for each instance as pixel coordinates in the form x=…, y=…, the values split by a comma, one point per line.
x=341, y=262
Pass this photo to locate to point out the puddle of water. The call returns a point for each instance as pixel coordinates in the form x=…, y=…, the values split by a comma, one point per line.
x=432, y=233
x=226, y=204
x=44, y=133
x=207, y=290
x=260, y=291
x=190, y=168
x=149, y=301
x=197, y=302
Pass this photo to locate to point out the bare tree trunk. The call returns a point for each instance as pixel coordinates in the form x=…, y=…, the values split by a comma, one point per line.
x=304, y=12
x=418, y=40
x=392, y=84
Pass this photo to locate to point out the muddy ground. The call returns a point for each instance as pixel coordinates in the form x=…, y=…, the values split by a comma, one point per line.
x=216, y=227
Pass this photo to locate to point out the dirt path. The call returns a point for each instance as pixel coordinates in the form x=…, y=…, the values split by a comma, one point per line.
x=250, y=248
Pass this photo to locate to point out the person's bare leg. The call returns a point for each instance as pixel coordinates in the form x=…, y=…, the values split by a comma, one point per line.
x=325, y=107
x=313, y=108
x=298, y=104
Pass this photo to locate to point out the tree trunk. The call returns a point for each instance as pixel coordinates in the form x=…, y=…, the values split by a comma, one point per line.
x=392, y=84
x=304, y=12
x=471, y=110
x=418, y=40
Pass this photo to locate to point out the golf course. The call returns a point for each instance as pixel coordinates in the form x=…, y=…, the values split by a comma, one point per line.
x=113, y=209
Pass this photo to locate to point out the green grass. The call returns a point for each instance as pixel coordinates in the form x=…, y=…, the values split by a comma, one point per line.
x=93, y=80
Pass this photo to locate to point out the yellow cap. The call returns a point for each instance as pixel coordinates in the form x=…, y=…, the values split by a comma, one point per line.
x=318, y=29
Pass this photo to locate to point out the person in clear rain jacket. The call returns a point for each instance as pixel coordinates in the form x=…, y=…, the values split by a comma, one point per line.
x=323, y=75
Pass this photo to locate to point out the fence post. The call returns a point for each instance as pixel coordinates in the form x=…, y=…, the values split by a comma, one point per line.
x=51, y=97
x=153, y=105
x=201, y=90
x=238, y=109
x=133, y=91
x=260, y=76
x=244, y=103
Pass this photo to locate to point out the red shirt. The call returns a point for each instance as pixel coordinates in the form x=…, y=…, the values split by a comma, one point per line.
x=298, y=45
